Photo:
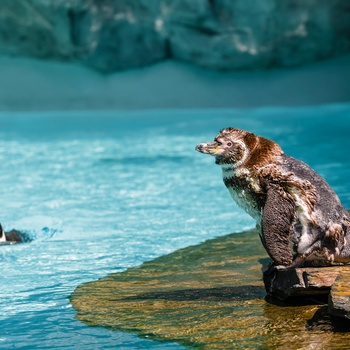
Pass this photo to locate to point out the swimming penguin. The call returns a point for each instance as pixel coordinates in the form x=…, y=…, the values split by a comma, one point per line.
x=300, y=218
x=2, y=235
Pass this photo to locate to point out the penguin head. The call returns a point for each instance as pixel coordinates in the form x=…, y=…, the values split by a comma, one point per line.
x=229, y=147
x=234, y=148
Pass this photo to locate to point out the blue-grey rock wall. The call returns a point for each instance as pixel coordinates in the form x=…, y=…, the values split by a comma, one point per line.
x=112, y=35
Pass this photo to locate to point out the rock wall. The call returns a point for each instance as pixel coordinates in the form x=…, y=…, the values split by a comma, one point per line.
x=112, y=35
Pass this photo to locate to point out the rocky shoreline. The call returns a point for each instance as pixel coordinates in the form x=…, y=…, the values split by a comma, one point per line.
x=211, y=296
x=332, y=284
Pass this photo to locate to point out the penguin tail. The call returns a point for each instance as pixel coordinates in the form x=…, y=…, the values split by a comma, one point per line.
x=2, y=235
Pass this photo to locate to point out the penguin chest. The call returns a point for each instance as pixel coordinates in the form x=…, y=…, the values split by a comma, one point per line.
x=247, y=202
x=246, y=192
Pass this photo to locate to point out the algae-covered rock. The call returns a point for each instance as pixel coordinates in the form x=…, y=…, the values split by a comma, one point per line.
x=208, y=296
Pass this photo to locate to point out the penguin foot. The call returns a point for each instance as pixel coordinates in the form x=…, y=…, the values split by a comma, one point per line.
x=273, y=267
x=298, y=261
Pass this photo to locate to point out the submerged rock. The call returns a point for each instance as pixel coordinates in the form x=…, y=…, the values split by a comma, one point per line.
x=220, y=34
x=208, y=296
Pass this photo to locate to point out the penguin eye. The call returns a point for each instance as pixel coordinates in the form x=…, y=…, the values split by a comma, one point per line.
x=229, y=144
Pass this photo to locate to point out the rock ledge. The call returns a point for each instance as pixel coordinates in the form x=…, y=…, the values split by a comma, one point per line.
x=333, y=281
x=210, y=296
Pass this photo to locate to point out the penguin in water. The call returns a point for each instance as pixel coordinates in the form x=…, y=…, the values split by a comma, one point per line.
x=300, y=218
x=13, y=237
x=2, y=235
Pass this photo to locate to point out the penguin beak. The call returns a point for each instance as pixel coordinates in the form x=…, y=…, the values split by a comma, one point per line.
x=208, y=147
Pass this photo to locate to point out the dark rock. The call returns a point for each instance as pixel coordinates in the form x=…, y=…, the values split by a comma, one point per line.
x=326, y=322
x=15, y=236
x=286, y=283
x=302, y=285
x=220, y=34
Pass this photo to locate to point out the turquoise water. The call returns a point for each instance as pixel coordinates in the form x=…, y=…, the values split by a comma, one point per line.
x=101, y=192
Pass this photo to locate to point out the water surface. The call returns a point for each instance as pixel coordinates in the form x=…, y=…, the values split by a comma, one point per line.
x=101, y=192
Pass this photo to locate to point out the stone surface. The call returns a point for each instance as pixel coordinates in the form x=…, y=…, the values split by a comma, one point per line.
x=208, y=296
x=339, y=298
x=220, y=34
x=306, y=281
x=312, y=282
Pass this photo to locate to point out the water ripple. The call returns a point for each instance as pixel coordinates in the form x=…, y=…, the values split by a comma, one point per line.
x=108, y=197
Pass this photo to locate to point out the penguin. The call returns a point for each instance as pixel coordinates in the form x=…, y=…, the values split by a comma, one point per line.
x=2, y=235
x=13, y=237
x=300, y=219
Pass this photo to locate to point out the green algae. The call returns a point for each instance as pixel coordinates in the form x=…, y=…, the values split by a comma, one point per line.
x=208, y=296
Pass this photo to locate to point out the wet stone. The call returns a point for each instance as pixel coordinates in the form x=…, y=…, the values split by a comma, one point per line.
x=313, y=283
x=211, y=296
x=286, y=283
x=339, y=299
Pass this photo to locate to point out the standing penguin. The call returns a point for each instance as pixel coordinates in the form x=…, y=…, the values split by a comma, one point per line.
x=292, y=205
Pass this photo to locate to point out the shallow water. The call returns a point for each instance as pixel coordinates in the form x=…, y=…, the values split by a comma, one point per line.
x=100, y=192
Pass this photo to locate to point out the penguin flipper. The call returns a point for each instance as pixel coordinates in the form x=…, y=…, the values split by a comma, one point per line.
x=277, y=224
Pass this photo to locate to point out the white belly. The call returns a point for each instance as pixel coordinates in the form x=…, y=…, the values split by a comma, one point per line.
x=246, y=202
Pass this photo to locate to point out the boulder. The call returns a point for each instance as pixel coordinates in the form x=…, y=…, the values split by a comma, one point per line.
x=294, y=282
x=111, y=35
x=310, y=283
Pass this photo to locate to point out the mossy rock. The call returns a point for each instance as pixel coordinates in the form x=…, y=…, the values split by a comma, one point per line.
x=208, y=296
